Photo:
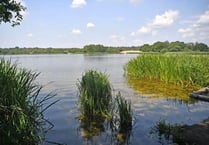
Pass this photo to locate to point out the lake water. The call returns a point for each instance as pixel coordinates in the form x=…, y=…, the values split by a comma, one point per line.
x=60, y=73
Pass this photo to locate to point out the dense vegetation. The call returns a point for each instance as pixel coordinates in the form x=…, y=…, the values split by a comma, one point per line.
x=156, y=47
x=174, y=47
x=21, y=108
x=171, y=68
x=94, y=94
x=97, y=106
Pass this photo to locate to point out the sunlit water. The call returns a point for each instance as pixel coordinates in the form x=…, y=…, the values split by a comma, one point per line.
x=60, y=73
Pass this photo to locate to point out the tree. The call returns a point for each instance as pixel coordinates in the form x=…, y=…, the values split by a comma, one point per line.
x=10, y=12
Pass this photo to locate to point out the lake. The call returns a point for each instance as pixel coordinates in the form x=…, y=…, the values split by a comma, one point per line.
x=60, y=74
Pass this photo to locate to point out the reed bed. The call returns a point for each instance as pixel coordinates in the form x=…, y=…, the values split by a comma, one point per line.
x=95, y=94
x=171, y=68
x=21, y=110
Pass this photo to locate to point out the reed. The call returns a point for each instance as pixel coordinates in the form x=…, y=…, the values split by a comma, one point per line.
x=125, y=114
x=94, y=95
x=21, y=110
x=181, y=69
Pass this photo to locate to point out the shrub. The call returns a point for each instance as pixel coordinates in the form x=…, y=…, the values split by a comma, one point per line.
x=21, y=110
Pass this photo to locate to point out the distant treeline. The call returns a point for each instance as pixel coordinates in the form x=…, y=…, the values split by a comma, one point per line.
x=92, y=48
x=176, y=46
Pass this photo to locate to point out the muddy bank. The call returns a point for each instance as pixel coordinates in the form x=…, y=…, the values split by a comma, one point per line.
x=197, y=134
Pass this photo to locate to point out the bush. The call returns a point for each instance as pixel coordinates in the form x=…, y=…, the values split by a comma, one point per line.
x=21, y=110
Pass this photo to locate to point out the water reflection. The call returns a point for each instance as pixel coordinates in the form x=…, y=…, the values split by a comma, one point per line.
x=168, y=133
x=157, y=89
x=89, y=130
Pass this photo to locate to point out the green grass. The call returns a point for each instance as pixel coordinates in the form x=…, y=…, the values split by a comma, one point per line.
x=98, y=106
x=21, y=110
x=95, y=94
x=181, y=69
x=125, y=114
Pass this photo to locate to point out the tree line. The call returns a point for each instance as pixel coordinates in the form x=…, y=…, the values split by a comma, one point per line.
x=176, y=46
x=166, y=46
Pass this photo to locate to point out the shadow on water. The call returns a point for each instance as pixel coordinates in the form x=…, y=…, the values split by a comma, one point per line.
x=158, y=89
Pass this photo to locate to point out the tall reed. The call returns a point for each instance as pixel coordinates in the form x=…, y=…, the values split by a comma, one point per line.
x=171, y=68
x=21, y=110
x=94, y=94
x=125, y=114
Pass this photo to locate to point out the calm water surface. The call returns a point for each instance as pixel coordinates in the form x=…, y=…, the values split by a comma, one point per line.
x=60, y=73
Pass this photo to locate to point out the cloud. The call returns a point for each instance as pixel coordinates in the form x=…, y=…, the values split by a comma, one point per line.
x=29, y=35
x=117, y=38
x=144, y=30
x=165, y=19
x=90, y=25
x=159, y=22
x=187, y=32
x=197, y=29
x=137, y=42
x=76, y=31
x=78, y=3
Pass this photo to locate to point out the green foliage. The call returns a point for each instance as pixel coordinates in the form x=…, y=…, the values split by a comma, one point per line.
x=21, y=110
x=94, y=94
x=125, y=114
x=10, y=12
x=97, y=107
x=156, y=47
x=176, y=46
x=171, y=68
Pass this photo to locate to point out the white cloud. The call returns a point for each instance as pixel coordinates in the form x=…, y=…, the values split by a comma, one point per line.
x=90, y=25
x=29, y=35
x=204, y=18
x=137, y=42
x=197, y=29
x=160, y=21
x=76, y=31
x=117, y=38
x=165, y=19
x=187, y=32
x=144, y=30
x=78, y=3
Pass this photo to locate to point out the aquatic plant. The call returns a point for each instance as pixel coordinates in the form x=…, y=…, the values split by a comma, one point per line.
x=122, y=120
x=170, y=133
x=125, y=113
x=94, y=95
x=181, y=69
x=21, y=109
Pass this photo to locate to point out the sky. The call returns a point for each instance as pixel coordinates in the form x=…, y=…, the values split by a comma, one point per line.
x=76, y=23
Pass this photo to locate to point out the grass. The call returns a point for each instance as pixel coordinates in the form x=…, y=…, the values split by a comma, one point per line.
x=95, y=94
x=183, y=69
x=125, y=114
x=98, y=106
x=21, y=110
x=121, y=123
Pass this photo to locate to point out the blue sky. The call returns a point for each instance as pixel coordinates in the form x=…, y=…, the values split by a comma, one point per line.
x=75, y=23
